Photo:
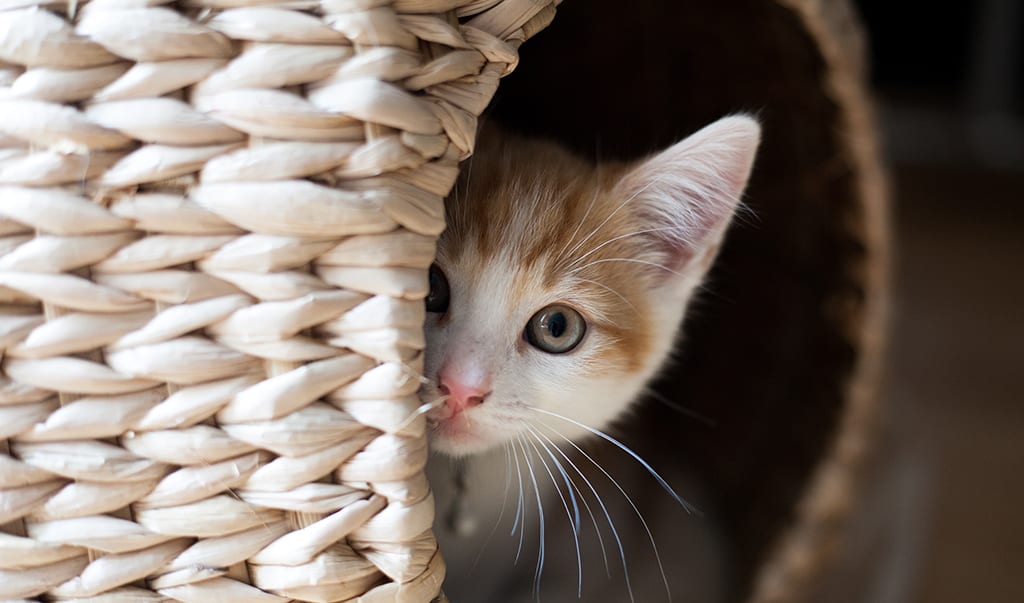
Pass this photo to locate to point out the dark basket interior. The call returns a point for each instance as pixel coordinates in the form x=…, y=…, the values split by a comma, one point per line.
x=771, y=344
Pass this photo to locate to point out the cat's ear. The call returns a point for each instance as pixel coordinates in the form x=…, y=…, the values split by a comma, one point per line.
x=687, y=194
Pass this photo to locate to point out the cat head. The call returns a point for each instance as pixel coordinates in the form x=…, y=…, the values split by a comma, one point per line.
x=559, y=286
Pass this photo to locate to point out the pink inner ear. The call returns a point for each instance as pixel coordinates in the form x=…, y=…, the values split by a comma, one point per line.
x=690, y=191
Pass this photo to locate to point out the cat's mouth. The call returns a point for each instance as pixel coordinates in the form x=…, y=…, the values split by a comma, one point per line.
x=458, y=434
x=458, y=428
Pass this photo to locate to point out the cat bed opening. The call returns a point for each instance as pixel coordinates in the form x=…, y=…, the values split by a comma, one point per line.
x=781, y=355
x=214, y=216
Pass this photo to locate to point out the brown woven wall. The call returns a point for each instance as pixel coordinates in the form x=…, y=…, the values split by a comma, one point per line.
x=782, y=353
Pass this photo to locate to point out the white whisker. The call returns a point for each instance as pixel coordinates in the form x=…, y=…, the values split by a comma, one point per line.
x=683, y=410
x=565, y=504
x=607, y=516
x=579, y=224
x=633, y=260
x=643, y=521
x=593, y=519
x=575, y=518
x=540, y=520
x=501, y=512
x=604, y=436
x=609, y=289
x=576, y=247
x=574, y=515
x=520, y=520
x=618, y=238
x=422, y=409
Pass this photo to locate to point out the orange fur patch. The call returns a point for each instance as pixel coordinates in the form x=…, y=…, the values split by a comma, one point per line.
x=556, y=217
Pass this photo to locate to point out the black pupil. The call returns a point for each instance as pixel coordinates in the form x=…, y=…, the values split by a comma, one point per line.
x=557, y=324
x=555, y=329
x=438, y=296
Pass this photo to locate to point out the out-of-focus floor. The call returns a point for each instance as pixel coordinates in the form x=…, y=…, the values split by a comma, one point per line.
x=956, y=381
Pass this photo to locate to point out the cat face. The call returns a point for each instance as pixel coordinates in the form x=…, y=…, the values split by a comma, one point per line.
x=559, y=286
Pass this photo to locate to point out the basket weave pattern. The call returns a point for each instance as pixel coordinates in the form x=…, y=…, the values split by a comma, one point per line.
x=215, y=222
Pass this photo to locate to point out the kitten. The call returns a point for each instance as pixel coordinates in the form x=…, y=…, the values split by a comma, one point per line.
x=557, y=293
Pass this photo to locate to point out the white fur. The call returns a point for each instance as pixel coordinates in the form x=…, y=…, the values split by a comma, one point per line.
x=484, y=332
x=689, y=190
x=689, y=193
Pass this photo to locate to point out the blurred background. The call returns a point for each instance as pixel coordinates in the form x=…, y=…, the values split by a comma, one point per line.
x=950, y=86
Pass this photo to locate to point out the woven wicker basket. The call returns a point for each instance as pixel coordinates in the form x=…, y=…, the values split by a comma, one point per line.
x=215, y=222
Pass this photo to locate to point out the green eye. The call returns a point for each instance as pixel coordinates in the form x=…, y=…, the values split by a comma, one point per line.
x=555, y=329
x=439, y=296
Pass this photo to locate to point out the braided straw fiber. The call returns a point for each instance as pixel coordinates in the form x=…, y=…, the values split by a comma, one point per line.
x=215, y=222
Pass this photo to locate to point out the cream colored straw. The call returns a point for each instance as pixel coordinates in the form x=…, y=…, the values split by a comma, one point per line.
x=215, y=222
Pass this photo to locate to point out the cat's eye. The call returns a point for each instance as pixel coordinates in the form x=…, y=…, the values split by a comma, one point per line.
x=439, y=296
x=556, y=329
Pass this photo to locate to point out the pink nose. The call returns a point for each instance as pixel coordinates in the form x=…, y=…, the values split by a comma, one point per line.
x=461, y=393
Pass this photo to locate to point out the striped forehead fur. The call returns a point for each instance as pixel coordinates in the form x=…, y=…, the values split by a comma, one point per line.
x=531, y=205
